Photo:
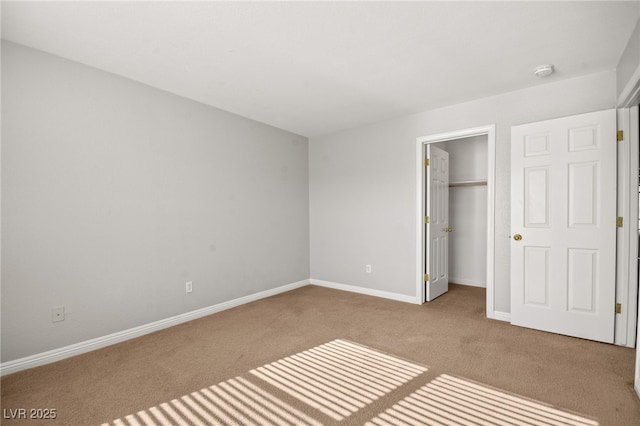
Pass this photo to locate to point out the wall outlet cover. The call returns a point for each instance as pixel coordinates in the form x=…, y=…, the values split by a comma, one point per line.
x=57, y=314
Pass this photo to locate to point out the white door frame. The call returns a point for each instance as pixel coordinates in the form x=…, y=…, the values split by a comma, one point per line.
x=627, y=235
x=628, y=101
x=490, y=132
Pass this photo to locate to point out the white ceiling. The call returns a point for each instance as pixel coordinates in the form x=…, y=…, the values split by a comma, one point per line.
x=319, y=67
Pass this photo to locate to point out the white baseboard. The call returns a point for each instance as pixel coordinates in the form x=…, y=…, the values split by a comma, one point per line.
x=367, y=291
x=500, y=316
x=101, y=342
x=464, y=281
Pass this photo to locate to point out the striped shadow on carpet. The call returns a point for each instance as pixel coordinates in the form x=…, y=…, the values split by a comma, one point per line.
x=338, y=378
x=234, y=402
x=448, y=400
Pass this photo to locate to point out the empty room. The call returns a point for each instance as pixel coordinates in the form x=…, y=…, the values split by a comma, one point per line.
x=319, y=213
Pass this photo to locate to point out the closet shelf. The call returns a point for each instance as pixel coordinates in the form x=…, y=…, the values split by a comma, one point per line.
x=468, y=183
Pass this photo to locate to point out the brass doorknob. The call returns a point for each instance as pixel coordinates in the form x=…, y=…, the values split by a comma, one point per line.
x=448, y=229
x=517, y=237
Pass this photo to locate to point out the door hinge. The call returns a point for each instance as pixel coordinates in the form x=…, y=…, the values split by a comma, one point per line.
x=426, y=219
x=619, y=221
x=426, y=277
x=426, y=162
x=620, y=135
x=618, y=308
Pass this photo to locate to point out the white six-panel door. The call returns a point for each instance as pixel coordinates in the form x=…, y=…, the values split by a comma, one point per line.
x=563, y=225
x=437, y=229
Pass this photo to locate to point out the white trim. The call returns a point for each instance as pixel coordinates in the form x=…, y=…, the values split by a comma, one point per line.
x=627, y=236
x=630, y=95
x=490, y=131
x=465, y=281
x=501, y=316
x=366, y=291
x=634, y=152
x=101, y=342
x=632, y=224
x=634, y=140
x=622, y=234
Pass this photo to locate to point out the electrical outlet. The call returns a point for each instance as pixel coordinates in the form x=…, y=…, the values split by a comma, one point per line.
x=57, y=314
x=367, y=269
x=189, y=286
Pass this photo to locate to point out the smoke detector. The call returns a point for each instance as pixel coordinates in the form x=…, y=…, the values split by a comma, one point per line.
x=543, y=70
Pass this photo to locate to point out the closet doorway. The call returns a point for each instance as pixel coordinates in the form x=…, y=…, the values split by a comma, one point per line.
x=467, y=210
x=471, y=210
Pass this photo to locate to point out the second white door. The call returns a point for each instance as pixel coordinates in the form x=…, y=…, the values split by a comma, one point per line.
x=437, y=223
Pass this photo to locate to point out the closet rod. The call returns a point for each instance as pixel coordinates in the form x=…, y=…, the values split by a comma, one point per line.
x=468, y=183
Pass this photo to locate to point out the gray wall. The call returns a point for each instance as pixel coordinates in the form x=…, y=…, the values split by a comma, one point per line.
x=630, y=59
x=114, y=194
x=363, y=183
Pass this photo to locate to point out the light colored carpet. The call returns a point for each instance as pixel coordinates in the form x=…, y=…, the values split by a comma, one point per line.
x=322, y=356
x=335, y=379
x=338, y=379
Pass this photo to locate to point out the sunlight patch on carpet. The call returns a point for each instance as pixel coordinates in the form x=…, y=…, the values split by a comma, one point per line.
x=234, y=402
x=452, y=401
x=338, y=378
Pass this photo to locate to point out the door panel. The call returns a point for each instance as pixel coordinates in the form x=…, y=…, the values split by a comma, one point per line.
x=437, y=234
x=581, y=283
x=583, y=195
x=563, y=195
x=536, y=197
x=536, y=276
